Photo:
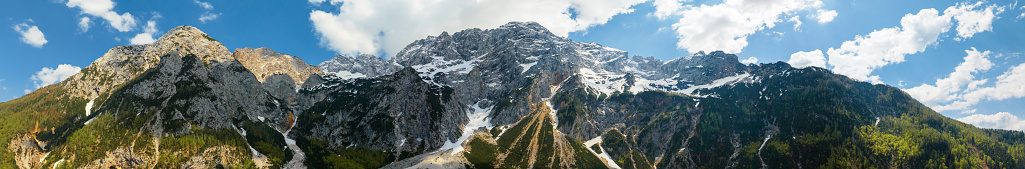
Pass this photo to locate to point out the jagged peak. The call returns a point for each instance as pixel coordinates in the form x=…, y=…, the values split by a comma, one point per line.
x=190, y=40
x=262, y=51
x=184, y=31
x=523, y=25
x=264, y=62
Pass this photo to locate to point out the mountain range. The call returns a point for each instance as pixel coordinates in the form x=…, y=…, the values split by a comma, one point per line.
x=516, y=96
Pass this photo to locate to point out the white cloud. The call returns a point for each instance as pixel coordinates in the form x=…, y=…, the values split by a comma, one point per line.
x=147, y=36
x=84, y=23
x=1, y=85
x=30, y=35
x=858, y=58
x=805, y=59
x=797, y=22
x=750, y=60
x=1009, y=85
x=48, y=76
x=205, y=5
x=1002, y=120
x=949, y=89
x=666, y=8
x=208, y=17
x=726, y=26
x=389, y=25
x=971, y=21
x=27, y=91
x=826, y=16
x=104, y=9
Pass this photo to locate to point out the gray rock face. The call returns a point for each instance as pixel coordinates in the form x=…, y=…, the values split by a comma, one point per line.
x=360, y=66
x=265, y=63
x=184, y=90
x=522, y=62
x=490, y=64
x=123, y=63
x=506, y=69
x=398, y=112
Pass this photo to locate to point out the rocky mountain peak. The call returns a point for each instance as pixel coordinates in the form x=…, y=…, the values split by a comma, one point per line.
x=190, y=40
x=264, y=62
x=123, y=63
x=364, y=65
x=526, y=26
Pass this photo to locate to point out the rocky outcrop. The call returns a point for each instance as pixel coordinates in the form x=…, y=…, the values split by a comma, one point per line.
x=184, y=89
x=360, y=66
x=399, y=112
x=123, y=63
x=27, y=153
x=264, y=63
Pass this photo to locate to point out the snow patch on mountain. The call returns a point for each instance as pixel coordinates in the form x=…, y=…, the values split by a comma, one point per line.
x=89, y=106
x=604, y=155
x=440, y=65
x=349, y=75
x=604, y=82
x=478, y=118
x=746, y=77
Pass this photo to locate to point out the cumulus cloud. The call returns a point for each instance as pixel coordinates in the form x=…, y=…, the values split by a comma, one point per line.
x=726, y=26
x=750, y=60
x=208, y=17
x=205, y=5
x=1009, y=85
x=104, y=9
x=826, y=16
x=797, y=22
x=805, y=59
x=49, y=76
x=666, y=8
x=859, y=57
x=1002, y=120
x=949, y=89
x=390, y=25
x=84, y=23
x=30, y=35
x=971, y=21
x=147, y=36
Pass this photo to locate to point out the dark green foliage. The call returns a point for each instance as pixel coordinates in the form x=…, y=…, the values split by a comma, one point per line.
x=495, y=131
x=45, y=113
x=584, y=158
x=319, y=155
x=95, y=140
x=209, y=38
x=196, y=141
x=827, y=120
x=571, y=104
x=267, y=141
x=512, y=133
x=481, y=154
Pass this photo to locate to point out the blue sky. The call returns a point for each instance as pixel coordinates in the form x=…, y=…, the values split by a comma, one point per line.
x=956, y=56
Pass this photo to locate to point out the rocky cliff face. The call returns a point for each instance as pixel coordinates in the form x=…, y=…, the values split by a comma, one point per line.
x=349, y=67
x=265, y=63
x=123, y=63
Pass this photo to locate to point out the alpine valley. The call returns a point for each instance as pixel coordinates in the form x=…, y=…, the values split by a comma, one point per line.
x=516, y=96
